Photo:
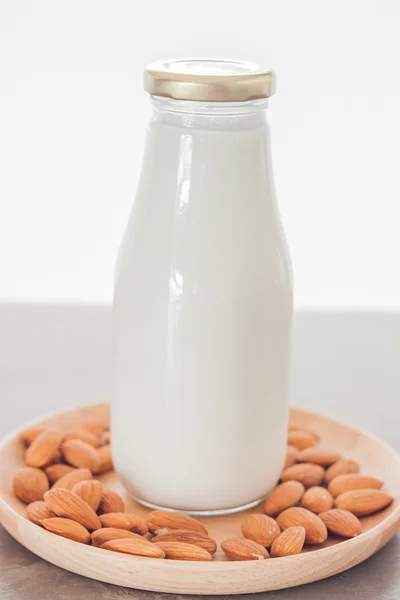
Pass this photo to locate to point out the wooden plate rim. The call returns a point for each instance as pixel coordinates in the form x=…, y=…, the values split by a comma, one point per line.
x=310, y=558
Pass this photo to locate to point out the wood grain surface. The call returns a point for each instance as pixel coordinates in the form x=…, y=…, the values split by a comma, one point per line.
x=220, y=576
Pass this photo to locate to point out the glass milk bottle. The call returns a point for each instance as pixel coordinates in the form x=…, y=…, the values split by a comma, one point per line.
x=203, y=298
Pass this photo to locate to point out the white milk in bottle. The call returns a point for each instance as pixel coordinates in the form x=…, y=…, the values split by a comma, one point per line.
x=203, y=298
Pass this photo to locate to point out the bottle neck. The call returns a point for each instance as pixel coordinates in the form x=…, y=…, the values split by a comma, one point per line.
x=209, y=115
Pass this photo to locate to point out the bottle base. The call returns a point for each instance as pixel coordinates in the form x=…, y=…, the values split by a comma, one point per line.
x=200, y=513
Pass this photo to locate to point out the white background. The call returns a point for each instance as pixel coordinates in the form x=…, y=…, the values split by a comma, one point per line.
x=73, y=118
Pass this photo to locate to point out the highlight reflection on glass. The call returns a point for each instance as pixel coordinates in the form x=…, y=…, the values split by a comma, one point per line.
x=174, y=309
x=182, y=201
x=184, y=170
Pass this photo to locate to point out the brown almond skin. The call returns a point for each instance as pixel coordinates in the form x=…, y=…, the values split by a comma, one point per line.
x=261, y=529
x=363, y=502
x=44, y=448
x=90, y=491
x=80, y=454
x=317, y=499
x=69, y=480
x=138, y=547
x=37, y=511
x=124, y=521
x=84, y=435
x=95, y=426
x=242, y=549
x=65, y=503
x=291, y=456
x=30, y=484
x=189, y=537
x=308, y=474
x=302, y=439
x=352, y=481
x=294, y=427
x=56, y=471
x=105, y=534
x=283, y=496
x=341, y=522
x=289, y=542
x=319, y=456
x=110, y=502
x=164, y=519
x=106, y=437
x=67, y=528
x=183, y=551
x=138, y=526
x=104, y=458
x=316, y=531
x=29, y=434
x=341, y=467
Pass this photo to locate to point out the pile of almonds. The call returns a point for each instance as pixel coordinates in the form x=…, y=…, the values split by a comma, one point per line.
x=320, y=493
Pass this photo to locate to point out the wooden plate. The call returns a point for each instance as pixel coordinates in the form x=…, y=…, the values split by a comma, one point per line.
x=220, y=576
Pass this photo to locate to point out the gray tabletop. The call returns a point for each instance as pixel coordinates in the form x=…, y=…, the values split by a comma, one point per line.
x=344, y=364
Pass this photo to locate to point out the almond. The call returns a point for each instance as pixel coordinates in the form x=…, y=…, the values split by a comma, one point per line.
x=183, y=551
x=123, y=521
x=289, y=542
x=302, y=438
x=164, y=519
x=57, y=460
x=43, y=449
x=341, y=467
x=95, y=426
x=111, y=502
x=30, y=433
x=30, y=484
x=307, y=473
x=67, y=528
x=65, y=503
x=137, y=546
x=353, y=481
x=316, y=532
x=90, y=491
x=242, y=549
x=261, y=529
x=72, y=478
x=104, y=458
x=291, y=456
x=56, y=471
x=363, y=502
x=317, y=499
x=293, y=426
x=341, y=522
x=80, y=454
x=101, y=536
x=319, y=456
x=84, y=435
x=106, y=437
x=189, y=537
x=284, y=496
x=37, y=511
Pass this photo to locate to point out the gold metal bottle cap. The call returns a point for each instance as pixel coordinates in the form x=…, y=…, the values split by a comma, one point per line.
x=208, y=80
